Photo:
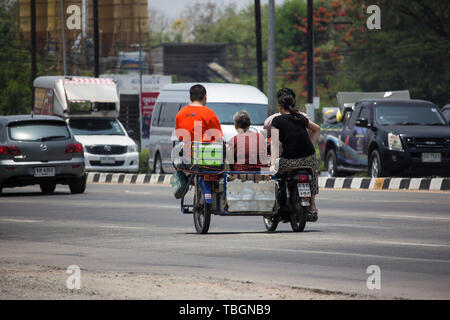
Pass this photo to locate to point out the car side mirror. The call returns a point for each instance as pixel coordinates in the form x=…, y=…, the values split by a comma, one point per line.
x=130, y=133
x=364, y=123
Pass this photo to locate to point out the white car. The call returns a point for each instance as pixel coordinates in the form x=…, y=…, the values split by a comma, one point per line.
x=107, y=146
x=225, y=99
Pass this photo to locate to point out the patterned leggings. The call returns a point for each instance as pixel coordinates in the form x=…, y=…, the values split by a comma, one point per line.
x=287, y=165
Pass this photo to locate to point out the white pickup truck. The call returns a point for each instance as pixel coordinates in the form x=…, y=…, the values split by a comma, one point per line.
x=91, y=107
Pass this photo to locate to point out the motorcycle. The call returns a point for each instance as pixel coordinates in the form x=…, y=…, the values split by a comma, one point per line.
x=294, y=200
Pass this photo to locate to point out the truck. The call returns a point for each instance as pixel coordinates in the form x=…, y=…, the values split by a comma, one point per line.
x=386, y=134
x=91, y=107
x=76, y=96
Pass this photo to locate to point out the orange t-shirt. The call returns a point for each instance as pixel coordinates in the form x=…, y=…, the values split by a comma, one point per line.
x=198, y=121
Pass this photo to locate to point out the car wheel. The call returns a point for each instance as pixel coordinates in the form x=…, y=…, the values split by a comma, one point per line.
x=158, y=164
x=78, y=185
x=376, y=168
x=331, y=164
x=48, y=188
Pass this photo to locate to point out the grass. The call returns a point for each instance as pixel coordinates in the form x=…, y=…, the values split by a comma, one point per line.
x=143, y=161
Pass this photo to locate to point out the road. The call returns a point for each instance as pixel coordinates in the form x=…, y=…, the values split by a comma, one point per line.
x=132, y=228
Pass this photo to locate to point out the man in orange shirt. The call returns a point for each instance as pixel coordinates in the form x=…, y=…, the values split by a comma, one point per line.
x=196, y=122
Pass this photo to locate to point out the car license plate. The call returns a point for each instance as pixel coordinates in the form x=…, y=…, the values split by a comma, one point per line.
x=431, y=157
x=107, y=160
x=44, y=172
x=304, y=190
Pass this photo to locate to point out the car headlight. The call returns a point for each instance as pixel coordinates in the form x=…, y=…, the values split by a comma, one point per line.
x=132, y=148
x=394, y=142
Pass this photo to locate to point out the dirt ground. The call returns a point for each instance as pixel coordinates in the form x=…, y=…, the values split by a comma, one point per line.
x=29, y=282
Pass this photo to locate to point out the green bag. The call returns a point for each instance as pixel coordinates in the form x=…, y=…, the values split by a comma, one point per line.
x=178, y=182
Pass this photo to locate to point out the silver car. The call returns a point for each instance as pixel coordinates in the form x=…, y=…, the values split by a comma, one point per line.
x=40, y=150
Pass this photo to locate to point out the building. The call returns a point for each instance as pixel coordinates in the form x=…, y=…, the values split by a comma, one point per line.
x=191, y=62
x=118, y=28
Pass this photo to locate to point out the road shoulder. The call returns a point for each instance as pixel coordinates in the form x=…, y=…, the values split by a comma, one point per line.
x=26, y=281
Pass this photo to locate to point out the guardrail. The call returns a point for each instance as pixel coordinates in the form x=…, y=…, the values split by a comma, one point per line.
x=430, y=184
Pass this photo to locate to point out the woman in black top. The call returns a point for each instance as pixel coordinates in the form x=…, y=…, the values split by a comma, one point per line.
x=297, y=142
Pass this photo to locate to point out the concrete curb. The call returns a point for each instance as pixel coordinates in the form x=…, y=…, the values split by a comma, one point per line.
x=435, y=184
x=122, y=178
x=425, y=184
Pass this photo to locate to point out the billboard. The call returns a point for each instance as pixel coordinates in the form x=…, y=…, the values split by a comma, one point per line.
x=151, y=86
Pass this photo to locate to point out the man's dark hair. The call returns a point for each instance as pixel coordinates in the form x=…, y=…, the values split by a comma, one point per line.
x=197, y=92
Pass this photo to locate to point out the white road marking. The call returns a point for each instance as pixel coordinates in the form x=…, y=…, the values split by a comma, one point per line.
x=346, y=239
x=122, y=227
x=414, y=244
x=19, y=220
x=427, y=217
x=361, y=255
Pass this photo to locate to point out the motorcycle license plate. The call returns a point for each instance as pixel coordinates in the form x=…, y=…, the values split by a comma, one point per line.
x=304, y=190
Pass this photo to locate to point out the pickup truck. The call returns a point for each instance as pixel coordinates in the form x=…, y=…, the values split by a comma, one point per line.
x=387, y=138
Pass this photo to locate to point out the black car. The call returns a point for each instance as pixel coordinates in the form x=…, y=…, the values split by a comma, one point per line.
x=388, y=137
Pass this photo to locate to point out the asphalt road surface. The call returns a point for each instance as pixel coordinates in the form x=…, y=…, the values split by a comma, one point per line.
x=131, y=228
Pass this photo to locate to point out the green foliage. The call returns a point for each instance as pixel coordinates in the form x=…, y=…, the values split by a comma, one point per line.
x=289, y=38
x=321, y=163
x=143, y=161
x=409, y=52
x=15, y=81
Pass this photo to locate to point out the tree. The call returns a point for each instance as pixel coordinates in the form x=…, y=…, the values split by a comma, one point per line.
x=331, y=33
x=15, y=68
x=411, y=51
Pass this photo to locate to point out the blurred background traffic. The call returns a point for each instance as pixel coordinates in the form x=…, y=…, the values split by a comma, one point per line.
x=144, y=47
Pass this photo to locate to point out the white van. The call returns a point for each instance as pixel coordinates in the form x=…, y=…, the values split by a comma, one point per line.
x=224, y=98
x=91, y=107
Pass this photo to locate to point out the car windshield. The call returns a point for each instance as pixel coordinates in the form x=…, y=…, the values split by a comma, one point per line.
x=91, y=127
x=38, y=131
x=408, y=115
x=226, y=111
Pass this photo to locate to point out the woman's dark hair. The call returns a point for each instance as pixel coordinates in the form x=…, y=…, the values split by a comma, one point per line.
x=285, y=91
x=286, y=99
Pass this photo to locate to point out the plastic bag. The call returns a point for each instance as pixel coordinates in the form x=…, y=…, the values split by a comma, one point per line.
x=178, y=182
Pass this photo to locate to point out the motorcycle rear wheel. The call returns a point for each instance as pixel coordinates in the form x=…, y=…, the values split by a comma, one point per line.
x=297, y=212
x=202, y=211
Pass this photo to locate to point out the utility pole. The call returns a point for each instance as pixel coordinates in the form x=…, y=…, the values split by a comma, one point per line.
x=63, y=36
x=96, y=41
x=259, y=62
x=33, y=48
x=310, y=58
x=140, y=72
x=271, y=58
